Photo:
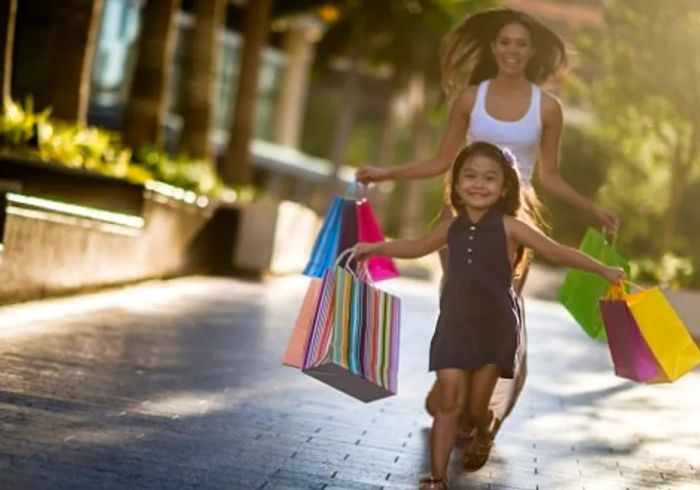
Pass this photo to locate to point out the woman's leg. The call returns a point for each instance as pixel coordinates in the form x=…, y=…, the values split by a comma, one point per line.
x=451, y=390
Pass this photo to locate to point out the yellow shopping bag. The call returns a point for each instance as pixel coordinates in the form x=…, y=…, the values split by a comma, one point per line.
x=664, y=332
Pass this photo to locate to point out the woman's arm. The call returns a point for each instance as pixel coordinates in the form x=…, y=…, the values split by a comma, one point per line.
x=550, y=178
x=406, y=248
x=528, y=236
x=452, y=141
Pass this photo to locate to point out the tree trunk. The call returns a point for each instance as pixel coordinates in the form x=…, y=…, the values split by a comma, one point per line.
x=387, y=148
x=148, y=103
x=292, y=99
x=236, y=167
x=346, y=120
x=76, y=23
x=412, y=204
x=8, y=16
x=200, y=78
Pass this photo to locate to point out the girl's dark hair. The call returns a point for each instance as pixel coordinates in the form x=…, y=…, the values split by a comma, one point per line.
x=466, y=55
x=515, y=201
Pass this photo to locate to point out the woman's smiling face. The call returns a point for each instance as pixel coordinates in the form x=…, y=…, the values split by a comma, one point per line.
x=512, y=49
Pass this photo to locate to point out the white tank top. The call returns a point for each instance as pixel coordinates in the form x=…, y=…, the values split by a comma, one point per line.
x=522, y=137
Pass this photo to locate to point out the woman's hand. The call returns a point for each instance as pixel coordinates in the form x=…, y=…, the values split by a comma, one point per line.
x=368, y=175
x=364, y=251
x=609, y=220
x=614, y=274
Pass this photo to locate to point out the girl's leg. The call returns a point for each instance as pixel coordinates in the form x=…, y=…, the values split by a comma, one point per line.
x=451, y=390
x=481, y=385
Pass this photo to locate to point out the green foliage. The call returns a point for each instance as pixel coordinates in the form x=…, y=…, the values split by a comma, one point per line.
x=18, y=124
x=195, y=175
x=84, y=147
x=25, y=132
x=647, y=102
x=671, y=271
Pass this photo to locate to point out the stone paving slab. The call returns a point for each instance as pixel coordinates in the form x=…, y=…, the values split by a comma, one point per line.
x=178, y=385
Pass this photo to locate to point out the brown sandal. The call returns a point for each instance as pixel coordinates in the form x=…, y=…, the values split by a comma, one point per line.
x=432, y=483
x=477, y=454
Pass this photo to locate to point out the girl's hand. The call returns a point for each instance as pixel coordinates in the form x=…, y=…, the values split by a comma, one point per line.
x=614, y=274
x=364, y=251
x=609, y=220
x=367, y=175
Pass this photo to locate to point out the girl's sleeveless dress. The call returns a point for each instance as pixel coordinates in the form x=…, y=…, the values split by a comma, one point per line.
x=479, y=320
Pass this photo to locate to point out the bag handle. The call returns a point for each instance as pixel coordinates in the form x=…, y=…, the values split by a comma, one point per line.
x=362, y=272
x=357, y=190
x=617, y=290
x=610, y=237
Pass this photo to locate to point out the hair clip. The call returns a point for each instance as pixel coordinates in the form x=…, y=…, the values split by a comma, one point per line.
x=509, y=157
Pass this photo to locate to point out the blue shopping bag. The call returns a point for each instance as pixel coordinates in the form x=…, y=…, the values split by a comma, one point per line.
x=325, y=248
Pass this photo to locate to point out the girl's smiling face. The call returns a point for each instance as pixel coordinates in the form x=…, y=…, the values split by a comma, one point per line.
x=512, y=49
x=480, y=183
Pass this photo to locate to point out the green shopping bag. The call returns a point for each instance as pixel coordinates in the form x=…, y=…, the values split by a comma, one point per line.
x=581, y=290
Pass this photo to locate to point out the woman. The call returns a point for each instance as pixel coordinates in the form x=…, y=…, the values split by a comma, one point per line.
x=493, y=64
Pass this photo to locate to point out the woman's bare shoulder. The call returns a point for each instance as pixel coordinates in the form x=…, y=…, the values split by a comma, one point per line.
x=551, y=105
x=465, y=98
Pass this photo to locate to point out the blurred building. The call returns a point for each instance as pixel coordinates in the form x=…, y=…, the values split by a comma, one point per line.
x=115, y=62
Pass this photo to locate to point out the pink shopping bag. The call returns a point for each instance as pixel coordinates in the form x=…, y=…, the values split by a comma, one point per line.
x=380, y=268
x=630, y=353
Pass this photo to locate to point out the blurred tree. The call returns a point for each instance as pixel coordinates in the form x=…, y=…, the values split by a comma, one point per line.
x=54, y=50
x=147, y=107
x=8, y=16
x=647, y=98
x=398, y=40
x=236, y=167
x=199, y=77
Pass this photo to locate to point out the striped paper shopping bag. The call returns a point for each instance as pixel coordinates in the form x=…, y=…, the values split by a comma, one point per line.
x=354, y=341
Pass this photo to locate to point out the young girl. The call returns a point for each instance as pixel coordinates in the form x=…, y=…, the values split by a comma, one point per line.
x=476, y=337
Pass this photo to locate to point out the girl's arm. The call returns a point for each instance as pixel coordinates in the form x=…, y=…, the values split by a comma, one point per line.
x=452, y=141
x=528, y=236
x=550, y=178
x=407, y=248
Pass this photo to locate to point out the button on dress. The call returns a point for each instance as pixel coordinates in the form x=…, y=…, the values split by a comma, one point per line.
x=479, y=319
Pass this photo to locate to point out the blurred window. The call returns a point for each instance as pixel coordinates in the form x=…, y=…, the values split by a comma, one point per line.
x=115, y=60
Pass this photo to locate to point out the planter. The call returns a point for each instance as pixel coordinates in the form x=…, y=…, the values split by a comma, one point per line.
x=67, y=230
x=274, y=237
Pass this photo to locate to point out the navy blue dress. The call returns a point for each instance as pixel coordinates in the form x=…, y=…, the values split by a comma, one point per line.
x=479, y=318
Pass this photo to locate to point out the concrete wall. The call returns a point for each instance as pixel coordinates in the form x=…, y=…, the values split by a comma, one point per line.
x=50, y=251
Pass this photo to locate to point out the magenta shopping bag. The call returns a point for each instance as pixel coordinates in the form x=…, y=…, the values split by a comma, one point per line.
x=629, y=351
x=380, y=268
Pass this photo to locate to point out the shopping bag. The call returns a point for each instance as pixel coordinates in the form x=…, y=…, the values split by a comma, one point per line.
x=664, y=332
x=325, y=247
x=350, y=349
x=380, y=268
x=630, y=353
x=321, y=327
x=581, y=290
x=294, y=354
x=348, y=234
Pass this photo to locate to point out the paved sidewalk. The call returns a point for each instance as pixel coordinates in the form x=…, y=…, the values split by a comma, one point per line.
x=177, y=385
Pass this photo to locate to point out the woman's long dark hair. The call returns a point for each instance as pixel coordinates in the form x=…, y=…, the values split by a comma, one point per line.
x=466, y=55
x=515, y=201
